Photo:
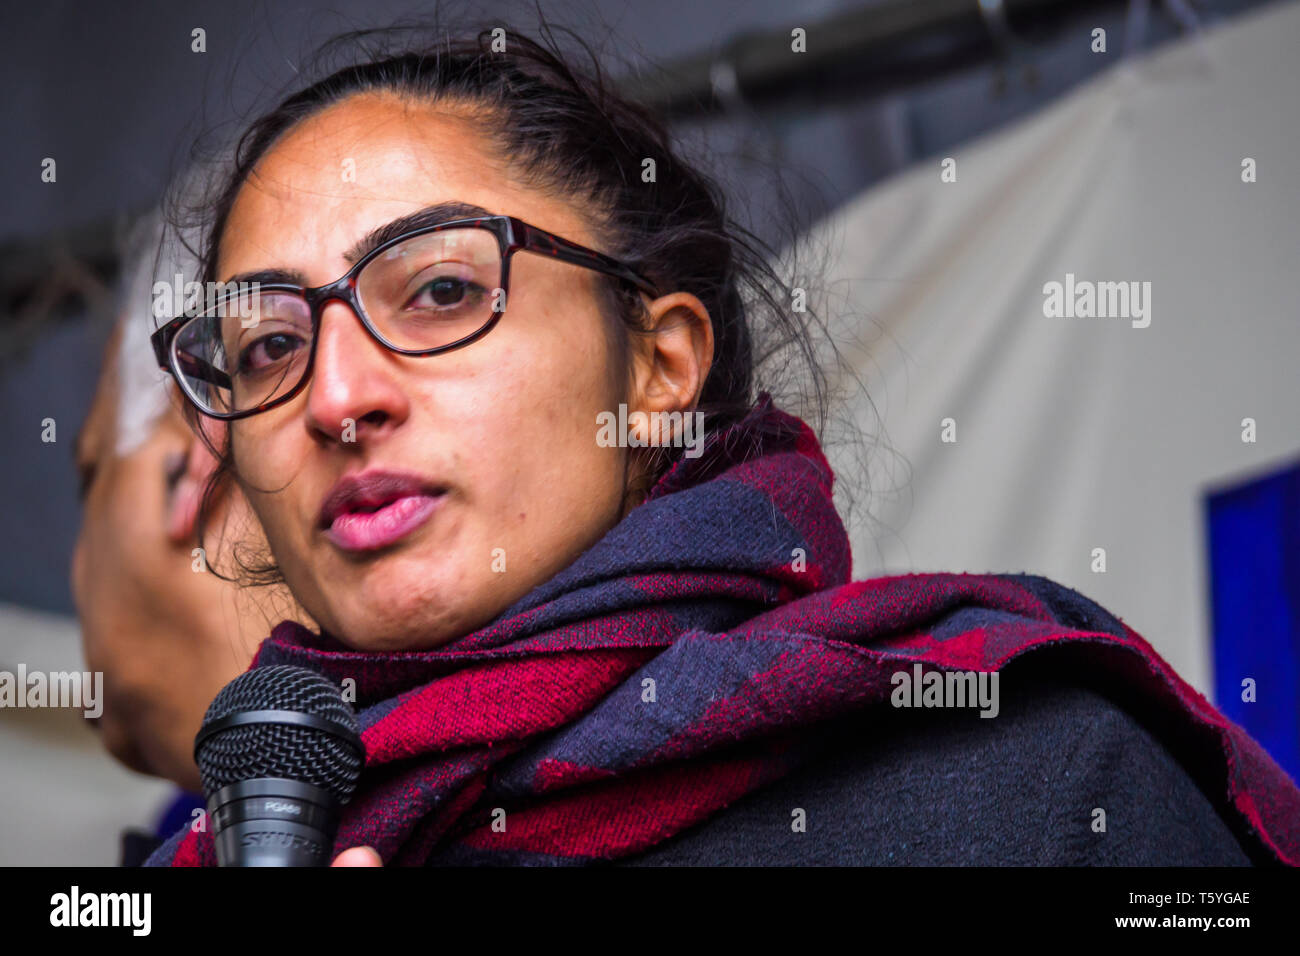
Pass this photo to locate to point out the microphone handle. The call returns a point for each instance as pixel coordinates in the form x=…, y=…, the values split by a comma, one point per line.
x=273, y=821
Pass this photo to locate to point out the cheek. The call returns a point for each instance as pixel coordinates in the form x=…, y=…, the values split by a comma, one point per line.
x=529, y=439
x=267, y=461
x=553, y=375
x=98, y=558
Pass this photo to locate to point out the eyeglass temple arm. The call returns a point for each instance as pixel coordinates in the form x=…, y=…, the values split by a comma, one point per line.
x=535, y=240
x=196, y=368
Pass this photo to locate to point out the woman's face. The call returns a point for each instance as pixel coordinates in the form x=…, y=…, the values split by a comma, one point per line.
x=505, y=483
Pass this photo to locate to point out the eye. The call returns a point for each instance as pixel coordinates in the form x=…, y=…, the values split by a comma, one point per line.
x=445, y=292
x=268, y=351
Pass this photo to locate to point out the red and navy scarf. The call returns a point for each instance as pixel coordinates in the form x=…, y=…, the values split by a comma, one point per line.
x=683, y=661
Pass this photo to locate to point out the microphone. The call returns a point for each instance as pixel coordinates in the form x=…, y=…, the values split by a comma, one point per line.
x=279, y=755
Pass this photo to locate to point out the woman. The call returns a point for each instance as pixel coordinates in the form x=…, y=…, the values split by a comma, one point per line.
x=575, y=645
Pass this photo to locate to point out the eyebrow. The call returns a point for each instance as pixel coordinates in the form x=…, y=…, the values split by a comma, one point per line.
x=433, y=215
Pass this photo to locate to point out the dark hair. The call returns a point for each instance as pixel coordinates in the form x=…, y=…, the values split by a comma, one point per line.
x=567, y=132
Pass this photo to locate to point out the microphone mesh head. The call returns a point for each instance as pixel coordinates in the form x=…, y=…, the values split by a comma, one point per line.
x=276, y=750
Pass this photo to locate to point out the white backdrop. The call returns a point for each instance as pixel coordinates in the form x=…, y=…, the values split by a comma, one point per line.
x=1083, y=433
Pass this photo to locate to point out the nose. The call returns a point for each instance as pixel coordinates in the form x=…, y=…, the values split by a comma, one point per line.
x=355, y=392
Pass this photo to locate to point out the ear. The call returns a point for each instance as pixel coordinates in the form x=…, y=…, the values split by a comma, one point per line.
x=671, y=362
x=184, y=499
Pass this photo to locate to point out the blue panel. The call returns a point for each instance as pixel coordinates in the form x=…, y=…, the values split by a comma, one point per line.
x=1254, y=561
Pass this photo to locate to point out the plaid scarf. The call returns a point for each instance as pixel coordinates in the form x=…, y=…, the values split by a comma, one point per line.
x=685, y=661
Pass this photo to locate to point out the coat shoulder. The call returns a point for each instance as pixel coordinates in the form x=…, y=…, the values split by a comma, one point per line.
x=1063, y=775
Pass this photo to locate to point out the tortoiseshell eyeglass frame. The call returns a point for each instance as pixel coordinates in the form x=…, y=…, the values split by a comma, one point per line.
x=512, y=235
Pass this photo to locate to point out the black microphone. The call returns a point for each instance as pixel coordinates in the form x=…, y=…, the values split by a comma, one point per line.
x=279, y=755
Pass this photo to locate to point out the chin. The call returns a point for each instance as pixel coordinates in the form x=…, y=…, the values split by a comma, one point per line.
x=403, y=619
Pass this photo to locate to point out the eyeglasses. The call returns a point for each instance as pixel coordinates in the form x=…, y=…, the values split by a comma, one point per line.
x=425, y=292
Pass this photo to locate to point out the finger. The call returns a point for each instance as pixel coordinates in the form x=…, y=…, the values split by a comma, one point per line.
x=183, y=508
x=358, y=856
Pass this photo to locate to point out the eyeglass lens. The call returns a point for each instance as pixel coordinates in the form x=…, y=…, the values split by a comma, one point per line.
x=430, y=291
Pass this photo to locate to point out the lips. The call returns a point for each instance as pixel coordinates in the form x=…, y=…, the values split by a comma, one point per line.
x=377, y=508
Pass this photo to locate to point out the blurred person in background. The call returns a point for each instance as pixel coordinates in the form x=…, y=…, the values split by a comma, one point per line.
x=167, y=638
